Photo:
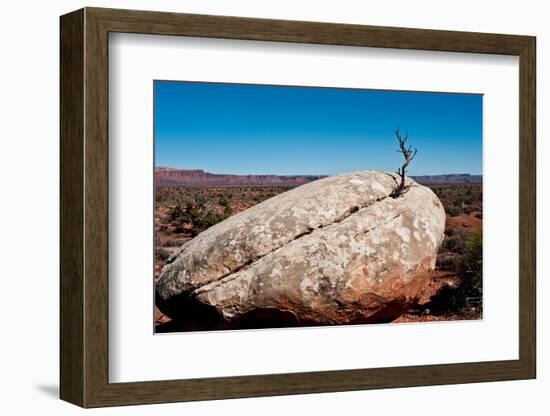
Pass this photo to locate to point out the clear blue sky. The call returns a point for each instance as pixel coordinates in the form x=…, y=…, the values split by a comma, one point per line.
x=259, y=129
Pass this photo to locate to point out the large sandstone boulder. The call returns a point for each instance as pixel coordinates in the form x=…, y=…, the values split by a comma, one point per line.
x=335, y=251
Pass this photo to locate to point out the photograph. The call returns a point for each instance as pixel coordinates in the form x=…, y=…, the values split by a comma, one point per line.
x=279, y=206
x=275, y=204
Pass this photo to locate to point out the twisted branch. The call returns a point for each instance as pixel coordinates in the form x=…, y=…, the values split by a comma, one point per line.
x=408, y=155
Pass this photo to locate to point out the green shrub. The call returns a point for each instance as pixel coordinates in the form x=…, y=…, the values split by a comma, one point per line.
x=224, y=203
x=472, y=265
x=448, y=263
x=453, y=211
x=205, y=222
x=455, y=242
x=469, y=268
x=198, y=215
x=177, y=215
x=162, y=254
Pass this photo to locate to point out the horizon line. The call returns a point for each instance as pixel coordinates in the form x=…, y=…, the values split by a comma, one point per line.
x=309, y=174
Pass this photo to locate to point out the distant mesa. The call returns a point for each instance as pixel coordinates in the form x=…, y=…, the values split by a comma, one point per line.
x=449, y=178
x=166, y=176
x=197, y=177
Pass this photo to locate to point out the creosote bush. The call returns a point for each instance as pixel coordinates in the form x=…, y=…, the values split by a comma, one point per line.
x=198, y=216
x=469, y=268
x=162, y=253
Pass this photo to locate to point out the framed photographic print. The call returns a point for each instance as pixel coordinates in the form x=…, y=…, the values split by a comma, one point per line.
x=255, y=207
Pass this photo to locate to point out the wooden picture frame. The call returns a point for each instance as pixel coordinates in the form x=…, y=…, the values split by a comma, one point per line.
x=84, y=207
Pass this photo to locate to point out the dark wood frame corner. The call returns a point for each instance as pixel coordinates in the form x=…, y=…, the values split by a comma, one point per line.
x=84, y=207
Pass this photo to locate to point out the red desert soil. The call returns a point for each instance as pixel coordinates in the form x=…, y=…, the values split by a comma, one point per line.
x=464, y=221
x=160, y=318
x=438, y=280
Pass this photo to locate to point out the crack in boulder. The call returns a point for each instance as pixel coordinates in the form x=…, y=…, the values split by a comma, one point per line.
x=226, y=247
x=234, y=275
x=229, y=276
